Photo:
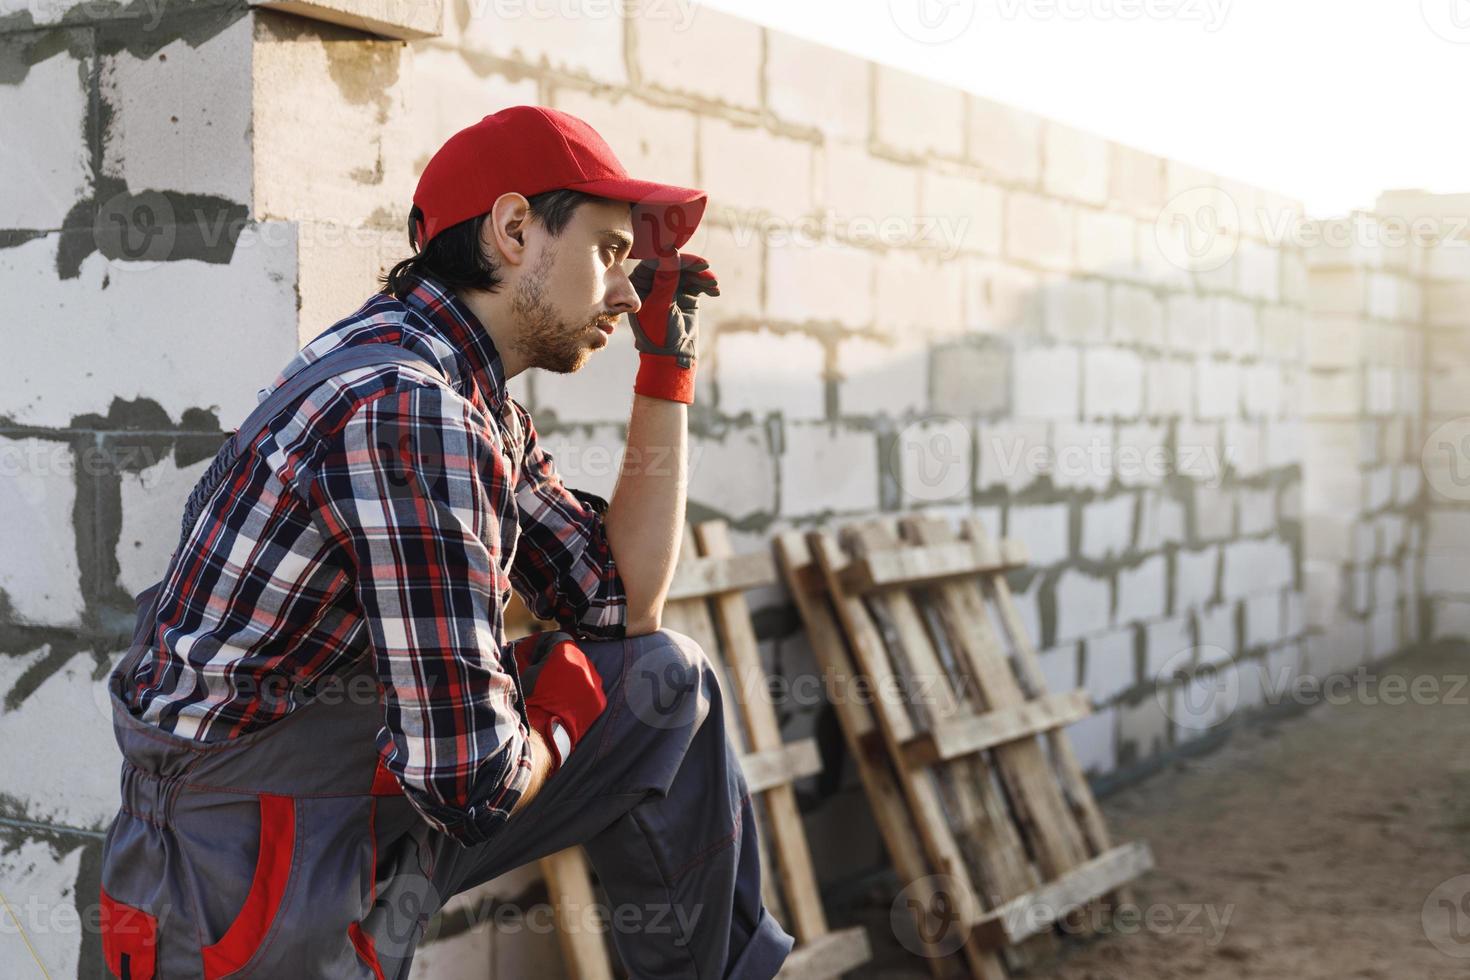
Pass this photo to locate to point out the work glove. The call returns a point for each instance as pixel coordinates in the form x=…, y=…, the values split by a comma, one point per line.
x=665, y=328
x=563, y=690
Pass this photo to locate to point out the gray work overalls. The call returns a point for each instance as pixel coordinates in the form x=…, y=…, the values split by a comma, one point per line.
x=291, y=852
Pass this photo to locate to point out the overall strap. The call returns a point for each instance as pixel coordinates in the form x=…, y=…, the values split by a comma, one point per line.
x=296, y=385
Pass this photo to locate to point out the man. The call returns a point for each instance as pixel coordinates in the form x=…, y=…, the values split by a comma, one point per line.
x=325, y=732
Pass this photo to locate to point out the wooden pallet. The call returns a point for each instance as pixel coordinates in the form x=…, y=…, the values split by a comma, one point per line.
x=971, y=777
x=706, y=601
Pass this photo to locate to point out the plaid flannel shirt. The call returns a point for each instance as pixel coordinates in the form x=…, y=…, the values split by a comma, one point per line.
x=421, y=507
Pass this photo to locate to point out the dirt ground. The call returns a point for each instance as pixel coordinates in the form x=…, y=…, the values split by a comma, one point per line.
x=1324, y=844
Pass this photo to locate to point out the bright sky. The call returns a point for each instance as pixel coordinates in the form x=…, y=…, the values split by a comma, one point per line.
x=1327, y=101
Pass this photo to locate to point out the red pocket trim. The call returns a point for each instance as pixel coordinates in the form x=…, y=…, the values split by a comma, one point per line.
x=363, y=943
x=130, y=933
x=384, y=782
x=272, y=869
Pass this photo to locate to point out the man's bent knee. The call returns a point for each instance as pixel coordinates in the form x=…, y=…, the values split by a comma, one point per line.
x=671, y=681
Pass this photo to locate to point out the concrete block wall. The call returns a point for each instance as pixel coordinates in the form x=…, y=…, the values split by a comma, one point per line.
x=930, y=300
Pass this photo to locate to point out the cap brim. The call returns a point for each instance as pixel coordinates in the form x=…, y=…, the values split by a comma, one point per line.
x=665, y=216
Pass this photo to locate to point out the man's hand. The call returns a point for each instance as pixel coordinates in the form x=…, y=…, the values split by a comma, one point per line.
x=666, y=328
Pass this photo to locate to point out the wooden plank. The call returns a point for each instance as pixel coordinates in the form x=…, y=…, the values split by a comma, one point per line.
x=871, y=658
x=779, y=767
x=794, y=859
x=955, y=738
x=885, y=795
x=830, y=955
x=704, y=576
x=1027, y=915
x=569, y=883
x=904, y=567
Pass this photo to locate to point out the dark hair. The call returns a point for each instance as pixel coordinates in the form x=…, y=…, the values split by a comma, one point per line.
x=454, y=256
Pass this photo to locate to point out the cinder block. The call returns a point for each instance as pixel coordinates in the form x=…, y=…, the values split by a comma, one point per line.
x=1143, y=730
x=46, y=99
x=1083, y=604
x=1190, y=322
x=1214, y=512
x=1197, y=452
x=933, y=462
x=1333, y=394
x=1001, y=298
x=1137, y=317
x=1281, y=333
x=800, y=280
x=1075, y=310
x=826, y=469
x=1107, y=526
x=1448, y=305
x=812, y=85
x=1047, y=383
x=590, y=457
x=1165, y=640
x=734, y=474
x=585, y=40
x=1043, y=528
x=152, y=506
x=918, y=116
x=918, y=295
x=1143, y=457
x=1060, y=667
x=1244, y=448
x=876, y=378
x=1082, y=455
x=699, y=51
x=321, y=114
x=1012, y=454
x=873, y=201
x=1217, y=388
x=970, y=380
x=172, y=125
x=1170, y=388
x=652, y=142
x=1337, y=291
x=749, y=167
x=762, y=372
x=1261, y=387
x=1039, y=231
x=1109, y=664
x=1136, y=181
x=1076, y=164
x=603, y=390
x=39, y=571
x=43, y=869
x=1196, y=577
x=1251, y=566
x=1237, y=328
x=1259, y=271
x=959, y=214
x=88, y=754
x=1106, y=243
x=1257, y=509
x=1004, y=140
x=1160, y=522
x=1392, y=297
x=1112, y=383
x=1215, y=625
x=1143, y=590
x=1263, y=621
x=1095, y=741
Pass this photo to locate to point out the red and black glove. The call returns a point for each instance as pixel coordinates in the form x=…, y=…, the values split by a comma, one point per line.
x=665, y=328
x=565, y=696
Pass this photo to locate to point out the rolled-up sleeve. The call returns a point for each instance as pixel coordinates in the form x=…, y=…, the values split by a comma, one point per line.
x=416, y=491
x=564, y=568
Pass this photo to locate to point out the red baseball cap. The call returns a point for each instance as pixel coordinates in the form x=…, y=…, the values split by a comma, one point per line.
x=531, y=149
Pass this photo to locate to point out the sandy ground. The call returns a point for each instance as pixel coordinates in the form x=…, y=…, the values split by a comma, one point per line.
x=1324, y=844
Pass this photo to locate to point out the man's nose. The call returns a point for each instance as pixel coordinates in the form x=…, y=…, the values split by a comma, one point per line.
x=622, y=297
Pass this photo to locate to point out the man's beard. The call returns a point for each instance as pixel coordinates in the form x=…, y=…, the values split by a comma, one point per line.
x=544, y=339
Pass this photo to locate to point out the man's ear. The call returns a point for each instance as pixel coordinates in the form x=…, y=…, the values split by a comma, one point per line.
x=504, y=231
